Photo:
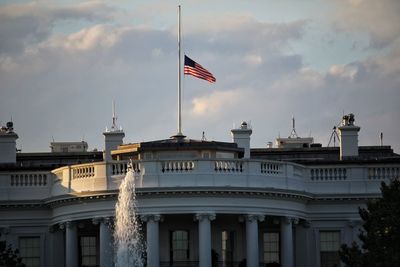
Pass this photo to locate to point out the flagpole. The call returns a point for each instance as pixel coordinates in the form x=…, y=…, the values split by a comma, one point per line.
x=179, y=75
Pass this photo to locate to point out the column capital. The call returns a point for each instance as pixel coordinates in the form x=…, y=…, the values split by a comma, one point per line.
x=61, y=226
x=252, y=218
x=152, y=217
x=289, y=220
x=204, y=216
x=102, y=220
x=97, y=220
x=70, y=224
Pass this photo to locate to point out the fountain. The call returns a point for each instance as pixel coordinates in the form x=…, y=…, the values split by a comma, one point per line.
x=128, y=240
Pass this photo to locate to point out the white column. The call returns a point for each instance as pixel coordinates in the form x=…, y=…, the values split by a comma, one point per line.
x=71, y=245
x=106, y=243
x=205, y=238
x=287, y=242
x=252, y=239
x=153, y=239
x=55, y=251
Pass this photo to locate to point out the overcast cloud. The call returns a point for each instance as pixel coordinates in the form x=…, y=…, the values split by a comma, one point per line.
x=61, y=66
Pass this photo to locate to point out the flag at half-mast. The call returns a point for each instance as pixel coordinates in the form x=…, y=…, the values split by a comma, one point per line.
x=195, y=69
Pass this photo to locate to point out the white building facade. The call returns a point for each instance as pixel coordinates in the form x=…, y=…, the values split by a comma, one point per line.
x=201, y=203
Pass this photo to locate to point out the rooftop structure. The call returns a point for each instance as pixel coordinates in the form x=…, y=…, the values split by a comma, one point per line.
x=199, y=201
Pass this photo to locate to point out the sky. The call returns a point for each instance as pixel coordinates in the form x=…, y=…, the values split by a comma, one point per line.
x=62, y=63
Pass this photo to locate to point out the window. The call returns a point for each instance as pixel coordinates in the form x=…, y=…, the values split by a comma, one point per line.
x=227, y=247
x=329, y=248
x=179, y=245
x=88, y=249
x=29, y=249
x=271, y=247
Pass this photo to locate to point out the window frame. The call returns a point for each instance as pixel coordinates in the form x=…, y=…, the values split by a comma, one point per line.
x=340, y=233
x=96, y=250
x=171, y=245
x=40, y=250
x=278, y=246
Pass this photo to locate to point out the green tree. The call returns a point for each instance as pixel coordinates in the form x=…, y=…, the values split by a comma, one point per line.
x=8, y=256
x=380, y=236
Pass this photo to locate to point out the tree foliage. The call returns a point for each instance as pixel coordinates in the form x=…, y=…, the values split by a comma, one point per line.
x=380, y=236
x=9, y=257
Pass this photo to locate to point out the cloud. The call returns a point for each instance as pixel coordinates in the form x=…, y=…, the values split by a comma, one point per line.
x=380, y=19
x=62, y=84
x=347, y=71
x=22, y=25
x=232, y=33
x=216, y=103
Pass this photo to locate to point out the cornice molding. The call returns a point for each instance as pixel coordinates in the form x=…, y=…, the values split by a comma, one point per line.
x=70, y=199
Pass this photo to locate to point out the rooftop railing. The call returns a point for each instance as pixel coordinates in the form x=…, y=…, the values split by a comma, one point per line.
x=228, y=173
x=25, y=185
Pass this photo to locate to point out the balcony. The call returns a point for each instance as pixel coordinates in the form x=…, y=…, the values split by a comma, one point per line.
x=337, y=179
x=216, y=173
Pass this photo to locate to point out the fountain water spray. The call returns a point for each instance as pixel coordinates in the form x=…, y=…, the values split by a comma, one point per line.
x=128, y=240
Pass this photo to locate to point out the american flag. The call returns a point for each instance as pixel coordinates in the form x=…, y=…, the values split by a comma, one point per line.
x=196, y=70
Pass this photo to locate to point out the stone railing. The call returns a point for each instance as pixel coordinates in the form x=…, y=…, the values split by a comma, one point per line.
x=250, y=173
x=386, y=172
x=25, y=185
x=177, y=166
x=271, y=168
x=119, y=168
x=228, y=166
x=85, y=171
x=28, y=179
x=328, y=173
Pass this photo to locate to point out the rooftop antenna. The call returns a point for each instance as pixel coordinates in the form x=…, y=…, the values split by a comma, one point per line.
x=203, y=137
x=334, y=135
x=381, y=138
x=114, y=117
x=293, y=134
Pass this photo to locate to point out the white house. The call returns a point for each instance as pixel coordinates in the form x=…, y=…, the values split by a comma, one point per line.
x=200, y=202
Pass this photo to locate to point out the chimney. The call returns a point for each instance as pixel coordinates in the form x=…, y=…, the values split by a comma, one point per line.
x=8, y=144
x=348, y=135
x=112, y=139
x=241, y=137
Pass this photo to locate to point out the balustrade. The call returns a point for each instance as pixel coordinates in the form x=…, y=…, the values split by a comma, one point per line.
x=119, y=168
x=86, y=171
x=218, y=171
x=228, y=166
x=271, y=168
x=177, y=166
x=28, y=179
x=383, y=173
x=328, y=173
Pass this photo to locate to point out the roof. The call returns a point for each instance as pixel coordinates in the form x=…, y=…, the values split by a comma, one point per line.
x=51, y=160
x=177, y=144
x=325, y=155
